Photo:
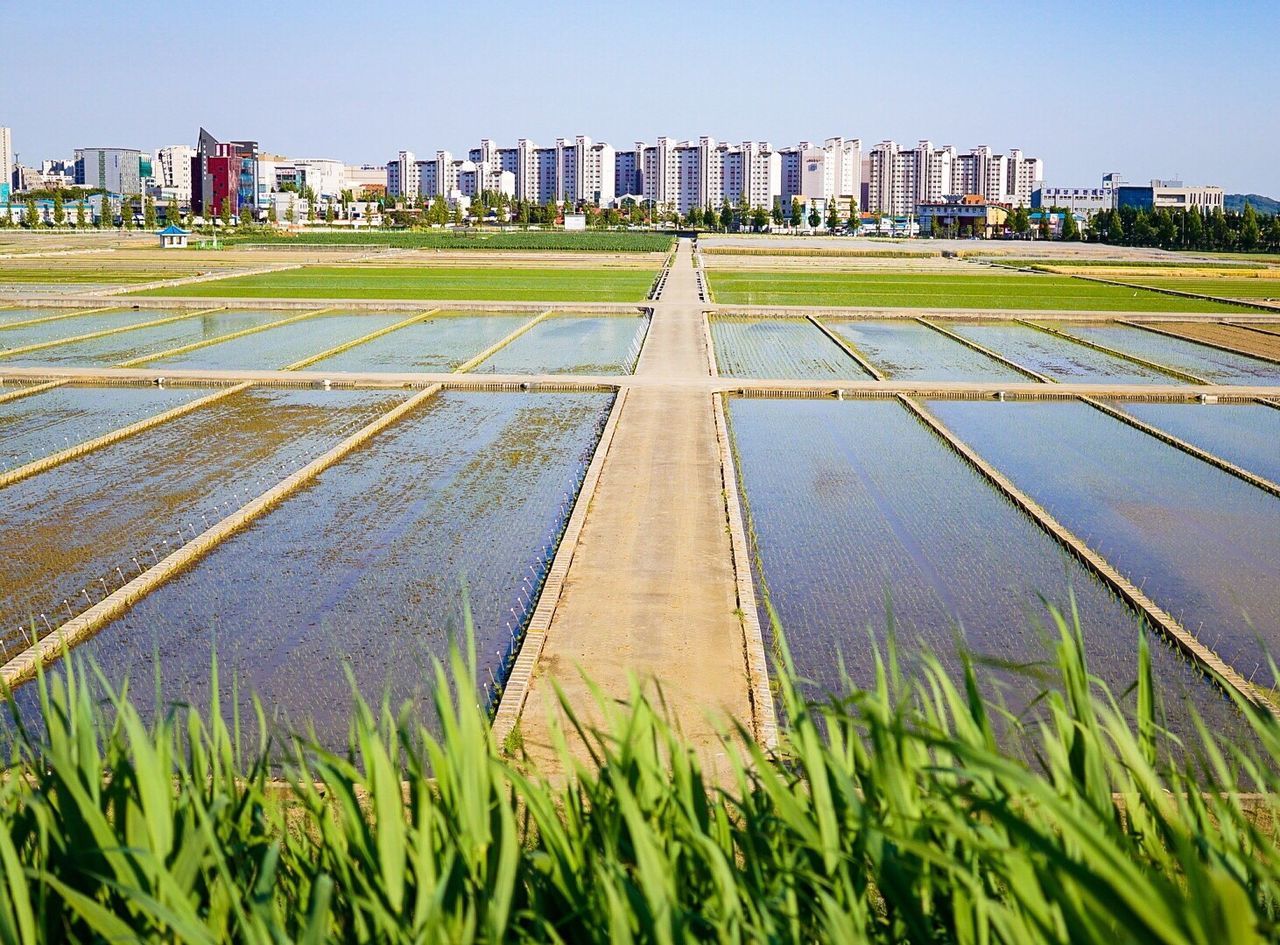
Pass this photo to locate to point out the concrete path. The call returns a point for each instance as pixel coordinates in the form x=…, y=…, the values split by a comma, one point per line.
x=651, y=592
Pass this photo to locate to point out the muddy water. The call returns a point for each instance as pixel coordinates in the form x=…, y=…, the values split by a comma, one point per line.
x=63, y=530
x=362, y=571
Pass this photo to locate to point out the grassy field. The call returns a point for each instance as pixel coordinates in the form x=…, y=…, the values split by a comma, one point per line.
x=604, y=242
x=1233, y=288
x=1092, y=262
x=908, y=290
x=436, y=282
x=80, y=275
x=887, y=815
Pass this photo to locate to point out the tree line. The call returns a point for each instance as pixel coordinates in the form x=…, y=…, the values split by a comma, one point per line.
x=1216, y=231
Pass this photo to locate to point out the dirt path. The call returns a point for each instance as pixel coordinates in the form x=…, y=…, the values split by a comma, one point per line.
x=651, y=592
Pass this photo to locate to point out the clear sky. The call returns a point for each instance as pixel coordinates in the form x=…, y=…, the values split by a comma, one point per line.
x=1155, y=89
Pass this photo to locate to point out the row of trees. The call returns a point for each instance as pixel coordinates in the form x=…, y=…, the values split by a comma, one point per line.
x=1217, y=231
x=58, y=215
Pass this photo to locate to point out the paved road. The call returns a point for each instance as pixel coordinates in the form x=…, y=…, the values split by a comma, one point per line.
x=651, y=592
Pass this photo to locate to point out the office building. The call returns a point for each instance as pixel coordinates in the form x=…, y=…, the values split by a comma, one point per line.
x=116, y=170
x=1170, y=195
x=6, y=162
x=224, y=171
x=173, y=171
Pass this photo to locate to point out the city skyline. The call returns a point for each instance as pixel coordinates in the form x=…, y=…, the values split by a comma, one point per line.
x=1088, y=87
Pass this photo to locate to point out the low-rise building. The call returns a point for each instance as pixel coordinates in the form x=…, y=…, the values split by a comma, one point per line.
x=1170, y=194
x=963, y=215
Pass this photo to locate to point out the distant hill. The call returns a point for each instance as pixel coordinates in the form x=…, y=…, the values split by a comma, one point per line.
x=1260, y=204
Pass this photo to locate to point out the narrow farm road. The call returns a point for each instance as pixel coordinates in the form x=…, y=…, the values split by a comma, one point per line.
x=651, y=592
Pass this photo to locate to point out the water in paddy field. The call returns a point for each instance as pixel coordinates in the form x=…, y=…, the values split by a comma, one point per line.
x=10, y=315
x=19, y=336
x=1057, y=357
x=276, y=348
x=36, y=426
x=1200, y=542
x=572, y=344
x=142, y=342
x=440, y=343
x=905, y=350
x=1215, y=366
x=362, y=570
x=858, y=508
x=1245, y=434
x=73, y=533
x=778, y=348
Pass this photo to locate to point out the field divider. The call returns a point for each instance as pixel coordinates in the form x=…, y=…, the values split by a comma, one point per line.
x=1164, y=622
x=847, y=348
x=983, y=349
x=32, y=389
x=103, y=333
x=1252, y=326
x=764, y=715
x=1212, y=459
x=115, y=436
x=24, y=665
x=709, y=343
x=54, y=318
x=208, y=342
x=515, y=691
x=1199, y=341
x=497, y=346
x=1179, y=293
x=1114, y=352
x=355, y=342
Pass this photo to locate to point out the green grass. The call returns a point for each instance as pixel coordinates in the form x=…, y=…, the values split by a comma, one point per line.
x=434, y=282
x=602, y=242
x=932, y=290
x=888, y=815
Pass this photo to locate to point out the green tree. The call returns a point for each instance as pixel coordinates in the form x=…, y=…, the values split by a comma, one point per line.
x=273, y=218
x=935, y=228
x=311, y=209
x=1044, y=223
x=797, y=213
x=1273, y=233
x=759, y=219
x=778, y=218
x=31, y=216
x=1250, y=232
x=80, y=214
x=104, y=211
x=1193, y=230
x=815, y=218
x=695, y=217
x=149, y=213
x=726, y=215
x=710, y=218
x=59, y=210
x=457, y=214
x=854, y=222
x=291, y=212
x=126, y=212
x=1070, y=231
x=246, y=214
x=328, y=213
x=224, y=212
x=833, y=217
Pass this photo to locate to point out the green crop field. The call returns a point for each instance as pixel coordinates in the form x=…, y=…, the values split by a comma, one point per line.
x=931, y=290
x=1227, y=286
x=73, y=275
x=517, y=240
x=436, y=282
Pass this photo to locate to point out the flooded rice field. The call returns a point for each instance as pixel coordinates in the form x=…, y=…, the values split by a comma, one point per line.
x=1211, y=364
x=905, y=350
x=10, y=315
x=73, y=533
x=865, y=520
x=1200, y=542
x=279, y=347
x=441, y=343
x=19, y=336
x=142, y=343
x=1056, y=357
x=1245, y=434
x=779, y=347
x=573, y=344
x=368, y=563
x=36, y=426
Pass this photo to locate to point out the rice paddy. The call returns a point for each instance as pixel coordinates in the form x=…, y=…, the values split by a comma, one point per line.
x=440, y=343
x=369, y=563
x=1212, y=364
x=622, y=284
x=779, y=347
x=1202, y=543
x=572, y=344
x=993, y=290
x=19, y=336
x=867, y=526
x=1245, y=434
x=1057, y=357
x=904, y=349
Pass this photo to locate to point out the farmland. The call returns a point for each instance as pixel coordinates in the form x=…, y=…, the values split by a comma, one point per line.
x=438, y=282
x=941, y=291
x=496, y=241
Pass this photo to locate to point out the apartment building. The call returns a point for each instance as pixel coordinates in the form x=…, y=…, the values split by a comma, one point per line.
x=404, y=176
x=172, y=168
x=6, y=162
x=830, y=172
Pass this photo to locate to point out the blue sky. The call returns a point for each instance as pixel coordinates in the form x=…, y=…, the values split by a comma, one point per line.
x=1157, y=89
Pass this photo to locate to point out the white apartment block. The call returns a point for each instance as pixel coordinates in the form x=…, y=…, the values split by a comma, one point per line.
x=899, y=179
x=404, y=176
x=172, y=167
x=830, y=172
x=358, y=178
x=6, y=161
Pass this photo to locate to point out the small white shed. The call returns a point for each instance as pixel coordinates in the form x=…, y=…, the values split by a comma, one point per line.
x=173, y=237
